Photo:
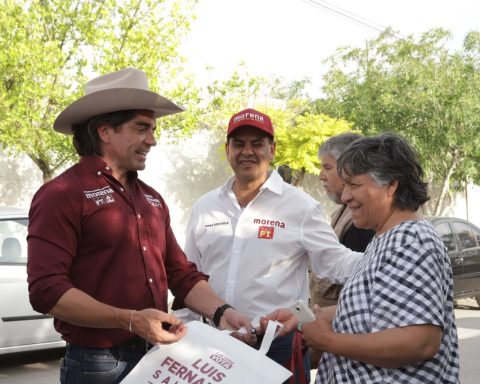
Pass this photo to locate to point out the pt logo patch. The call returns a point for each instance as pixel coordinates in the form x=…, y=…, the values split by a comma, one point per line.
x=265, y=232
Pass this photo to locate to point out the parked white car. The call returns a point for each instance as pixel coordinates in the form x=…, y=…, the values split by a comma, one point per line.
x=21, y=328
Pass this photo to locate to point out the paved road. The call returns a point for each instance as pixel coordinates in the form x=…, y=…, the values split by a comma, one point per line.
x=32, y=367
x=468, y=324
x=42, y=367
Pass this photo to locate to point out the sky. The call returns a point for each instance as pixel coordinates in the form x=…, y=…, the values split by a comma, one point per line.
x=291, y=38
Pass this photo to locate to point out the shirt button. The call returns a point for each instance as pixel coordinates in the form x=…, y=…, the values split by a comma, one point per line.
x=144, y=248
x=107, y=168
x=121, y=189
x=99, y=173
x=139, y=216
x=150, y=280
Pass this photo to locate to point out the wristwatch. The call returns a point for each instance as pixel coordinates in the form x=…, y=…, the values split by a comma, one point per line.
x=219, y=313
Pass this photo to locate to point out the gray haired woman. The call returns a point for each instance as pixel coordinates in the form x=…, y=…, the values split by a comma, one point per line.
x=394, y=322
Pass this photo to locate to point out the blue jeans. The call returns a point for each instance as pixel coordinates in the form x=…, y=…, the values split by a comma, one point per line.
x=98, y=366
x=281, y=350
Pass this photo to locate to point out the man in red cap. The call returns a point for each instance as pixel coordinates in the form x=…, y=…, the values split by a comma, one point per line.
x=256, y=235
x=101, y=253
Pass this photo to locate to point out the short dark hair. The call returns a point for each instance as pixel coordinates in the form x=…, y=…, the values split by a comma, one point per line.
x=385, y=158
x=85, y=135
x=335, y=145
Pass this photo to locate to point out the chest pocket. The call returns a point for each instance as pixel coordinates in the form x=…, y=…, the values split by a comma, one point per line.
x=154, y=224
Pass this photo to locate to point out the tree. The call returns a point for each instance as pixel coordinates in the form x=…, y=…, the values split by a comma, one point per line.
x=299, y=129
x=421, y=90
x=49, y=48
x=298, y=138
x=223, y=98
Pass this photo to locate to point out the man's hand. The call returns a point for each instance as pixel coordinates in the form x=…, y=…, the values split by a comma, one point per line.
x=233, y=320
x=148, y=323
x=283, y=316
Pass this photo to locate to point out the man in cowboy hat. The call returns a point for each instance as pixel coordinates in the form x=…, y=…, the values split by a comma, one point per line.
x=102, y=254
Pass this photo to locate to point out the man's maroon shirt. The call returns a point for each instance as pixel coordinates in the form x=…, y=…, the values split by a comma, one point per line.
x=87, y=232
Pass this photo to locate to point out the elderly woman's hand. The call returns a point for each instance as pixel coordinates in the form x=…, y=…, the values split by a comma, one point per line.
x=317, y=333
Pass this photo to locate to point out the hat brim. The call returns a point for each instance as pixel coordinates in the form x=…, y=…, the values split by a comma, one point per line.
x=111, y=100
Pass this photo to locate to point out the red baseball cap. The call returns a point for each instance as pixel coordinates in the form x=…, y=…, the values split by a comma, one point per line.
x=250, y=118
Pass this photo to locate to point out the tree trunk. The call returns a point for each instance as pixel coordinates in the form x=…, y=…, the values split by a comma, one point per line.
x=446, y=184
x=298, y=178
x=47, y=173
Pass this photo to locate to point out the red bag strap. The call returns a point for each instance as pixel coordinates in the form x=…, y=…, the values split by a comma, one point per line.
x=296, y=361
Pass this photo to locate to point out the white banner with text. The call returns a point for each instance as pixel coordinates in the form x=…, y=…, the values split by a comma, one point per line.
x=206, y=355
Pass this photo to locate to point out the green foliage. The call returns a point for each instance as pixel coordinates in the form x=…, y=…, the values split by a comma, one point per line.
x=299, y=129
x=223, y=98
x=419, y=89
x=298, y=138
x=49, y=48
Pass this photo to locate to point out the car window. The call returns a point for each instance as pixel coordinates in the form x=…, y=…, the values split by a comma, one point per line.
x=467, y=235
x=13, y=240
x=447, y=236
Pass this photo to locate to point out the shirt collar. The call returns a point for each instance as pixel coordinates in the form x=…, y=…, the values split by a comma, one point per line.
x=96, y=165
x=274, y=183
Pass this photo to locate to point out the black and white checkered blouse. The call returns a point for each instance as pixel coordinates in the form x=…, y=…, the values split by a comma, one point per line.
x=405, y=278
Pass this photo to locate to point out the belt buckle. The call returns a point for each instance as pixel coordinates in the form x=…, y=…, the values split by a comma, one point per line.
x=136, y=343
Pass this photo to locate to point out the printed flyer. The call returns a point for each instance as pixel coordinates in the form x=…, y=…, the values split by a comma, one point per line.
x=206, y=356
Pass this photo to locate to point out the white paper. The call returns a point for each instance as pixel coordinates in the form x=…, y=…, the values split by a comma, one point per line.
x=206, y=355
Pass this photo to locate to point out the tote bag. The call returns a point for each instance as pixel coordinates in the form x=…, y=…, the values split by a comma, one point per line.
x=206, y=355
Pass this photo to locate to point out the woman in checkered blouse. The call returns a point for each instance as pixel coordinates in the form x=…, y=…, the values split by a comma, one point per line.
x=394, y=322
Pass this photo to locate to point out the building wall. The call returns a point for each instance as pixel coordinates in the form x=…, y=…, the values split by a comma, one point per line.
x=467, y=204
x=20, y=178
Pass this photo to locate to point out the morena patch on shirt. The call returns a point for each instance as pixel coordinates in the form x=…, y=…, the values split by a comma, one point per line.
x=269, y=222
x=265, y=232
x=153, y=201
x=101, y=196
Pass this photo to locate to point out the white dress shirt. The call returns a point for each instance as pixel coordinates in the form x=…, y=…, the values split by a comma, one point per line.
x=257, y=257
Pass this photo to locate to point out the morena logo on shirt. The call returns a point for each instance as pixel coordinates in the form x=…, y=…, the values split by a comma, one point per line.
x=153, y=201
x=101, y=196
x=271, y=223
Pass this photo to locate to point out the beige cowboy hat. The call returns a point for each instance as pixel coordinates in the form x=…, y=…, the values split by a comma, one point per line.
x=117, y=91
